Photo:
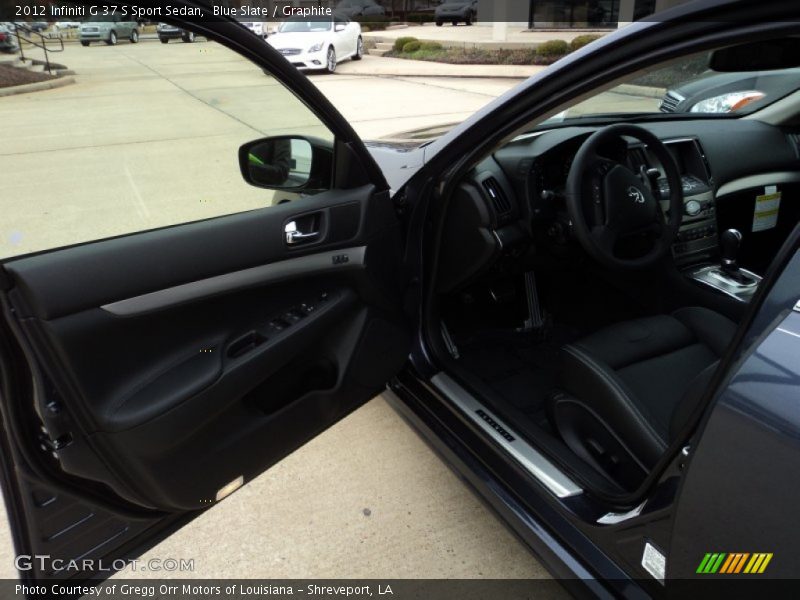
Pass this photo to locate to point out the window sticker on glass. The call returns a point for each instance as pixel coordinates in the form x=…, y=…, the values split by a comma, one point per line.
x=767, y=208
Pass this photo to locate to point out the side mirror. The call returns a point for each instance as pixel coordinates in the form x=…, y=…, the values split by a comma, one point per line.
x=338, y=27
x=287, y=163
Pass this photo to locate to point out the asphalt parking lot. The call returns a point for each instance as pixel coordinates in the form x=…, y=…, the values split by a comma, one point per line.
x=163, y=110
x=367, y=498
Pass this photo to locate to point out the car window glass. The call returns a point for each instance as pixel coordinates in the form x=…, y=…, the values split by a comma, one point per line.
x=301, y=26
x=138, y=143
x=686, y=85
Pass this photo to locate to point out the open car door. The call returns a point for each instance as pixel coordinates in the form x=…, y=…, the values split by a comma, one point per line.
x=148, y=375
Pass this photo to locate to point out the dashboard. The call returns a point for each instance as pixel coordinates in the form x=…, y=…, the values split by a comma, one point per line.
x=515, y=198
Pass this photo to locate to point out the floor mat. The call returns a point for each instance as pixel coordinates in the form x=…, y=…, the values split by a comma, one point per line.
x=520, y=368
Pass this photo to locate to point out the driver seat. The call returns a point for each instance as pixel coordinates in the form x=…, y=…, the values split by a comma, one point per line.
x=628, y=389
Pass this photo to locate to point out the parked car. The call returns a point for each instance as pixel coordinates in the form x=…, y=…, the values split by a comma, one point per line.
x=320, y=44
x=595, y=322
x=359, y=8
x=8, y=40
x=67, y=24
x=167, y=32
x=729, y=92
x=37, y=26
x=456, y=11
x=100, y=29
x=260, y=28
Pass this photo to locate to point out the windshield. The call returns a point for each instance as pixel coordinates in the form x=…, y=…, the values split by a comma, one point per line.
x=679, y=89
x=687, y=86
x=302, y=26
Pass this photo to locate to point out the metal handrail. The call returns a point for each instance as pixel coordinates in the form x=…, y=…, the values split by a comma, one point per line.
x=41, y=44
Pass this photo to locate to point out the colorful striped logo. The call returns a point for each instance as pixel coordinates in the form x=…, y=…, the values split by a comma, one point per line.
x=734, y=563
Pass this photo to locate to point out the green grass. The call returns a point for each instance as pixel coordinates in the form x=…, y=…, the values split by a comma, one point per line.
x=553, y=48
x=400, y=42
x=545, y=54
x=476, y=56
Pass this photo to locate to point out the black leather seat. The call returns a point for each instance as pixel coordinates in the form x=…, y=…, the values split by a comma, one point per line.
x=629, y=388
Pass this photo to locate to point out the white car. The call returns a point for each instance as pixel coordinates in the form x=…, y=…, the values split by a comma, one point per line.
x=318, y=45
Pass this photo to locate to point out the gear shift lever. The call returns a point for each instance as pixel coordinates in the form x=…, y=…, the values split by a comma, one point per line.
x=728, y=277
x=729, y=243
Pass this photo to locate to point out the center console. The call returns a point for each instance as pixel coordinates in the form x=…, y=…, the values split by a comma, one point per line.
x=703, y=254
x=727, y=277
x=741, y=287
x=698, y=237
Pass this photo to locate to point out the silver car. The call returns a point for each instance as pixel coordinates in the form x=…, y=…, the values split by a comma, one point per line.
x=8, y=40
x=456, y=11
x=167, y=32
x=104, y=29
x=359, y=8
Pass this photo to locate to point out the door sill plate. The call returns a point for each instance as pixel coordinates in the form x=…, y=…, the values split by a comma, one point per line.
x=521, y=451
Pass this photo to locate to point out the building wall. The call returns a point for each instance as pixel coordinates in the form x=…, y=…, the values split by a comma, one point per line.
x=578, y=14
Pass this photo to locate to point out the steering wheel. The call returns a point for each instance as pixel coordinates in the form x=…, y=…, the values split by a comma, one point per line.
x=608, y=202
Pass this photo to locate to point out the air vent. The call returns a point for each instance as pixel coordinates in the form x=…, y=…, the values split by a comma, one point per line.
x=671, y=101
x=500, y=201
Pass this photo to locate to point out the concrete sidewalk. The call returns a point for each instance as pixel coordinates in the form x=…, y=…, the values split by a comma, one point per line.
x=480, y=36
x=400, y=67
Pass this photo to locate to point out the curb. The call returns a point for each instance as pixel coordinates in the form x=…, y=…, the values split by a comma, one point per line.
x=640, y=90
x=486, y=45
x=411, y=68
x=440, y=76
x=37, y=87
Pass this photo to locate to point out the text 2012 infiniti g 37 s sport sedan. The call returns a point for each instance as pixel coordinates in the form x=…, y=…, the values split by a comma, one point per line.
x=587, y=306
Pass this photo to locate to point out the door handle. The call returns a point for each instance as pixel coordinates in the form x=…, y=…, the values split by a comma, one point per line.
x=295, y=236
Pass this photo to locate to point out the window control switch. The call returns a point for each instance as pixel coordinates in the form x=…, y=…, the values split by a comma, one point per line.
x=306, y=308
x=291, y=317
x=279, y=324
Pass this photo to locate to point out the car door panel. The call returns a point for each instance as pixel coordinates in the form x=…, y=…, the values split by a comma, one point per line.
x=145, y=377
x=62, y=525
x=754, y=424
x=192, y=356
